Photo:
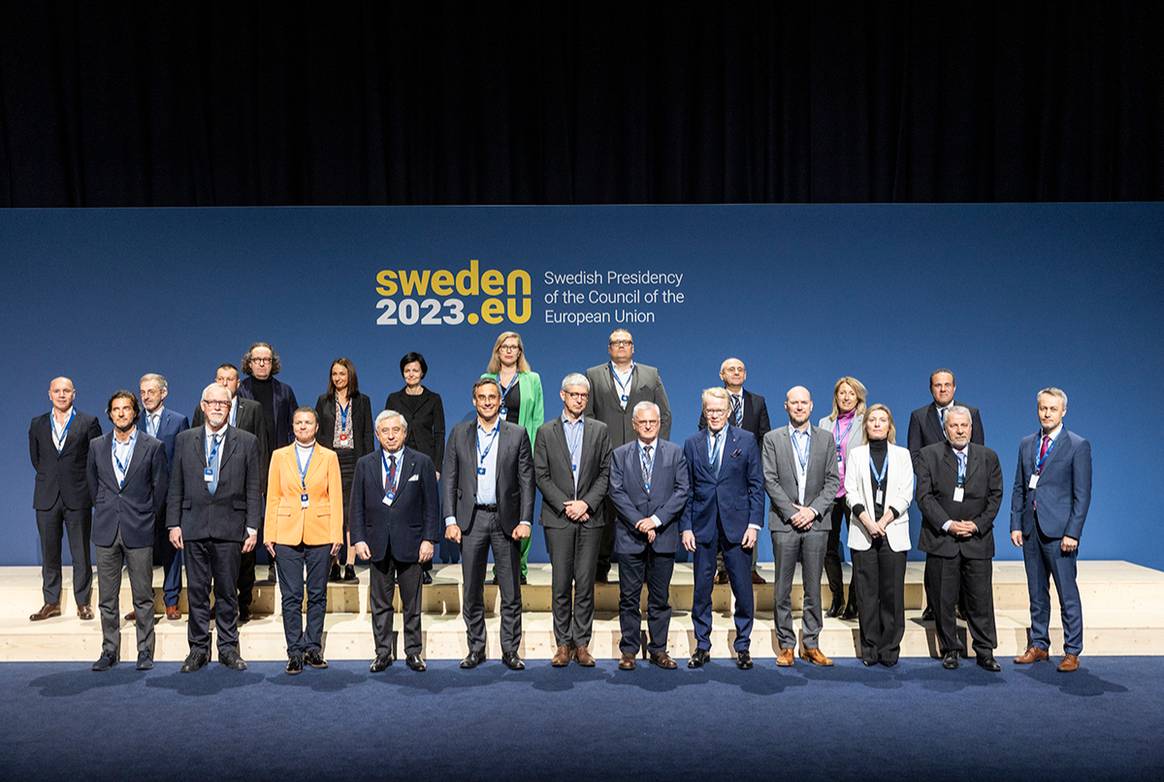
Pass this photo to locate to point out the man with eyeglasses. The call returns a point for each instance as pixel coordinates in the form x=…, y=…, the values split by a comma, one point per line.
x=616, y=387
x=213, y=510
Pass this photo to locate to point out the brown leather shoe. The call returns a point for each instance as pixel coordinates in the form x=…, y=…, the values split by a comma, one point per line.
x=627, y=663
x=173, y=613
x=815, y=656
x=664, y=661
x=47, y=611
x=85, y=611
x=584, y=657
x=757, y=578
x=1069, y=664
x=131, y=616
x=1033, y=654
x=561, y=657
x=786, y=658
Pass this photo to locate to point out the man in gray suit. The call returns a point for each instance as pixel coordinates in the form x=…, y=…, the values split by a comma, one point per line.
x=214, y=509
x=572, y=469
x=615, y=388
x=800, y=475
x=488, y=498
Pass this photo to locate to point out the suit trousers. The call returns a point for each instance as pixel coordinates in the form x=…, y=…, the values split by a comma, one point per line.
x=573, y=559
x=606, y=549
x=139, y=564
x=1044, y=559
x=291, y=562
x=945, y=579
x=832, y=562
x=807, y=548
x=207, y=559
x=385, y=574
x=738, y=562
x=170, y=559
x=879, y=584
x=246, y=576
x=52, y=525
x=656, y=569
x=719, y=563
x=485, y=533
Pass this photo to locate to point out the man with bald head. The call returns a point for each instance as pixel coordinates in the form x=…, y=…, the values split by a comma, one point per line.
x=58, y=444
x=801, y=478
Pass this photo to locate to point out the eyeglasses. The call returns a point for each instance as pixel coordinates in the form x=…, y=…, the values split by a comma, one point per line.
x=647, y=421
x=215, y=403
x=260, y=361
x=621, y=343
x=509, y=347
x=577, y=394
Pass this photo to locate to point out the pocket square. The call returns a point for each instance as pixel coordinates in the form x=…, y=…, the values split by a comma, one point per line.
x=413, y=478
x=736, y=453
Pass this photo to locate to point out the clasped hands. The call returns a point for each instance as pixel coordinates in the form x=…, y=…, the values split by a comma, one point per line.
x=803, y=518
x=962, y=529
x=647, y=527
x=577, y=510
x=876, y=529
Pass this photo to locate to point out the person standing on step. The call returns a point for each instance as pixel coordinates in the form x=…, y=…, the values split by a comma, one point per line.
x=846, y=423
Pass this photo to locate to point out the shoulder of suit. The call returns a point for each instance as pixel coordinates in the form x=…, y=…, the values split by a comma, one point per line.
x=246, y=437
x=921, y=411
x=593, y=423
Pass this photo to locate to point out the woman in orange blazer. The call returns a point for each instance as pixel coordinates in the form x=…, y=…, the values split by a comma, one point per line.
x=304, y=528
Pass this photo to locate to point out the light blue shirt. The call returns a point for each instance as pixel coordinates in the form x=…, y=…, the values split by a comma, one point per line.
x=123, y=453
x=574, y=431
x=487, y=481
x=801, y=444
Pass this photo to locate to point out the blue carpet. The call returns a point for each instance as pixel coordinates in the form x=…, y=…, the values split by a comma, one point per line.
x=1105, y=722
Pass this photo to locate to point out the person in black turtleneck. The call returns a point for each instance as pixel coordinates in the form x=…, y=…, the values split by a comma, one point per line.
x=878, y=490
x=261, y=364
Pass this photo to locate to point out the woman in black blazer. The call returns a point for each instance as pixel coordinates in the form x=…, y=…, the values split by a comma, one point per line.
x=425, y=414
x=345, y=426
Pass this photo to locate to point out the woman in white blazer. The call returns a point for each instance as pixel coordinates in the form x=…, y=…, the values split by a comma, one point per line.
x=878, y=490
x=844, y=422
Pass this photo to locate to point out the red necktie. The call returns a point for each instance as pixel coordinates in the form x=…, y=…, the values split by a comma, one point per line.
x=1043, y=450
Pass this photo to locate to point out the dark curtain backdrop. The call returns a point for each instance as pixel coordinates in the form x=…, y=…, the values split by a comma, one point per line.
x=204, y=103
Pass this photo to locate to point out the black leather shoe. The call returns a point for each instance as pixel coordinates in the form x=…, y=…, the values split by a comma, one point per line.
x=231, y=660
x=473, y=659
x=836, y=608
x=850, y=612
x=888, y=663
x=950, y=660
x=244, y=614
x=989, y=664
x=294, y=665
x=416, y=663
x=699, y=658
x=106, y=661
x=194, y=661
x=313, y=658
x=381, y=662
x=350, y=574
x=523, y=580
x=928, y=614
x=867, y=662
x=145, y=661
x=426, y=577
x=513, y=661
x=744, y=661
x=333, y=575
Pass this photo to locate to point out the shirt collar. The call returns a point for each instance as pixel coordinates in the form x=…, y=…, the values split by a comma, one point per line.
x=793, y=430
x=397, y=453
x=130, y=441
x=567, y=422
x=644, y=444
x=1053, y=434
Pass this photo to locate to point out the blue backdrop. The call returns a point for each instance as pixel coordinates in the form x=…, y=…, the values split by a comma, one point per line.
x=1012, y=297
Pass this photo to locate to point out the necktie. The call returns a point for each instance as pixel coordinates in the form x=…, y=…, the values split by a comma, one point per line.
x=646, y=465
x=737, y=409
x=390, y=478
x=213, y=465
x=1043, y=450
x=942, y=417
x=961, y=467
x=154, y=425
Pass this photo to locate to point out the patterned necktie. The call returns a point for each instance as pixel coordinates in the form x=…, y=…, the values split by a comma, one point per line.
x=942, y=417
x=390, y=478
x=213, y=463
x=646, y=463
x=737, y=409
x=961, y=466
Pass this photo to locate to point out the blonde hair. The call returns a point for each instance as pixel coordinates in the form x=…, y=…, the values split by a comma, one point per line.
x=891, y=436
x=858, y=388
x=495, y=357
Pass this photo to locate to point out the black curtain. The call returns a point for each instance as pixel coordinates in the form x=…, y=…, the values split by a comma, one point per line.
x=167, y=103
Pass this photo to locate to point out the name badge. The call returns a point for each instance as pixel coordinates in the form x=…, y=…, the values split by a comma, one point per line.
x=303, y=501
x=959, y=493
x=880, y=498
x=208, y=475
x=504, y=412
x=388, y=498
x=1034, y=482
x=343, y=436
x=480, y=470
x=625, y=398
x=573, y=468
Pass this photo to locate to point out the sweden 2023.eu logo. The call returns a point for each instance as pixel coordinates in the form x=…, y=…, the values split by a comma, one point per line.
x=443, y=297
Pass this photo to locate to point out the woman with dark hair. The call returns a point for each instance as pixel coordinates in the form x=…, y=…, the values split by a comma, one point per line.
x=424, y=413
x=345, y=426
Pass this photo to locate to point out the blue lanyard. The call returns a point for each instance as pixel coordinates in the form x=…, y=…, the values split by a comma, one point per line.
x=303, y=470
x=390, y=472
x=344, y=415
x=715, y=446
x=622, y=387
x=574, y=433
x=128, y=456
x=802, y=457
x=64, y=432
x=879, y=477
x=217, y=440
x=1040, y=462
x=647, y=463
x=481, y=454
x=505, y=389
x=842, y=439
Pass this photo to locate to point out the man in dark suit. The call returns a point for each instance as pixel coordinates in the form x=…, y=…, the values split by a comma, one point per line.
x=649, y=485
x=58, y=444
x=395, y=523
x=159, y=421
x=247, y=415
x=748, y=412
x=615, y=388
x=801, y=477
x=214, y=510
x=572, y=470
x=488, y=504
x=1052, y=492
x=127, y=473
x=959, y=491
x=724, y=514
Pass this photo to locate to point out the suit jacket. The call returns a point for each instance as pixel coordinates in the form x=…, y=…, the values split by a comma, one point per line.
x=925, y=429
x=980, y=502
x=820, y=483
x=1063, y=491
x=360, y=415
x=515, y=479
x=755, y=417
x=285, y=403
x=426, y=424
x=603, y=402
x=898, y=495
x=235, y=506
x=414, y=515
x=322, y=521
x=132, y=508
x=734, y=495
x=555, y=478
x=170, y=424
x=670, y=485
x=61, y=474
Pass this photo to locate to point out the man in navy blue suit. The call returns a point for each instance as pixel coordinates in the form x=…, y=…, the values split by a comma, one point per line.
x=127, y=474
x=164, y=424
x=395, y=523
x=1052, y=491
x=648, y=489
x=725, y=511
